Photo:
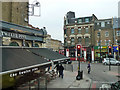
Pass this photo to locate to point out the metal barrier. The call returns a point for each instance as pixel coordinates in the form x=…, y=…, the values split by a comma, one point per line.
x=68, y=67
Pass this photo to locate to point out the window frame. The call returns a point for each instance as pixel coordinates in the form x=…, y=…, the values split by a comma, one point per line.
x=72, y=31
x=103, y=24
x=106, y=34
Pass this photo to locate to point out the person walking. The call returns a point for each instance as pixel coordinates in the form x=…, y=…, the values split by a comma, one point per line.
x=61, y=68
x=57, y=68
x=89, y=67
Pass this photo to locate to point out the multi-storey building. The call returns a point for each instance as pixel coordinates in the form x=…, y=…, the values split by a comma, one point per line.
x=15, y=12
x=103, y=37
x=79, y=31
x=116, y=30
x=93, y=34
x=53, y=44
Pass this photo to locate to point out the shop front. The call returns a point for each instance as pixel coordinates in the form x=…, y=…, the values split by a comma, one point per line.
x=25, y=68
x=16, y=35
x=103, y=52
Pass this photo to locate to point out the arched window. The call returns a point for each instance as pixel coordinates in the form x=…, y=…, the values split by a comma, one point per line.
x=13, y=44
x=26, y=44
x=36, y=45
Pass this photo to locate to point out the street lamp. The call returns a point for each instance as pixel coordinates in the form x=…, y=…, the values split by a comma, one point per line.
x=100, y=44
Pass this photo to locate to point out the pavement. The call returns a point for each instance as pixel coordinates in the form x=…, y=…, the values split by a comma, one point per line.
x=69, y=81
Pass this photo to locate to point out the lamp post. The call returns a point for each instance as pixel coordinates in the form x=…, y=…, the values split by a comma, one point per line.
x=100, y=44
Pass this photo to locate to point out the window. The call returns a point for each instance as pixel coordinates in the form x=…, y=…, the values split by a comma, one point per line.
x=86, y=41
x=86, y=19
x=26, y=44
x=79, y=39
x=72, y=41
x=108, y=22
x=106, y=34
x=102, y=24
x=98, y=34
x=36, y=45
x=79, y=30
x=13, y=44
x=86, y=30
x=107, y=43
x=72, y=31
x=98, y=23
x=117, y=33
x=99, y=43
x=79, y=20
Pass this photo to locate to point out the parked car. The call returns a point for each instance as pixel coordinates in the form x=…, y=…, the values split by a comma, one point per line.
x=112, y=61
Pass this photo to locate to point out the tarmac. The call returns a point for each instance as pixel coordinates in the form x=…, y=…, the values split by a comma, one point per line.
x=69, y=81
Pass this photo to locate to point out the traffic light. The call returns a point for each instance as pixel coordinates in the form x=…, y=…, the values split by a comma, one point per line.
x=79, y=50
x=109, y=50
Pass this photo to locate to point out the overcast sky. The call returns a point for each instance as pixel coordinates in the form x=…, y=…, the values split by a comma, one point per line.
x=53, y=12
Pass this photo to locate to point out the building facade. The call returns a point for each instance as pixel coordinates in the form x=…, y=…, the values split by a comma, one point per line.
x=21, y=36
x=15, y=12
x=53, y=44
x=103, y=37
x=95, y=35
x=79, y=31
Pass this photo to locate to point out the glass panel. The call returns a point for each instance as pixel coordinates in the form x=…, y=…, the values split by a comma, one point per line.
x=13, y=44
x=72, y=31
x=86, y=19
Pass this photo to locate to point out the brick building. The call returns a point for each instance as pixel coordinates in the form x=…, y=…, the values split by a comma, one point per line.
x=79, y=31
x=91, y=33
x=103, y=37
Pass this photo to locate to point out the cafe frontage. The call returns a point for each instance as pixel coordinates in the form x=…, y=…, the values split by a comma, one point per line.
x=25, y=68
x=17, y=35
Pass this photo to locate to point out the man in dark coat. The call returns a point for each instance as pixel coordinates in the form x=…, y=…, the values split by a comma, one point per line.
x=61, y=68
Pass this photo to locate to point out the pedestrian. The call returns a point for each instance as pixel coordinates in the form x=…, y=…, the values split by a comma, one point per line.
x=61, y=68
x=89, y=67
x=57, y=68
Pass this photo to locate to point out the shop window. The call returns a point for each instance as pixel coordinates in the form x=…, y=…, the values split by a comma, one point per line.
x=26, y=44
x=13, y=44
x=36, y=45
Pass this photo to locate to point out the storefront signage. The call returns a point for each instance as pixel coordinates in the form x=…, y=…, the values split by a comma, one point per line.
x=115, y=48
x=13, y=35
x=23, y=72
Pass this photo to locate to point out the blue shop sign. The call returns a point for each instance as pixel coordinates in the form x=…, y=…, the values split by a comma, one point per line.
x=115, y=48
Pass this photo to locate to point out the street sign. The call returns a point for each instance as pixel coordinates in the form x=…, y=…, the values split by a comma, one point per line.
x=115, y=48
